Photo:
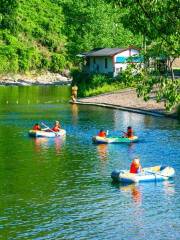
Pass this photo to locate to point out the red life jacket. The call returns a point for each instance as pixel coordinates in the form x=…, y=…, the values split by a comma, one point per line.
x=56, y=129
x=36, y=127
x=102, y=134
x=129, y=133
x=133, y=168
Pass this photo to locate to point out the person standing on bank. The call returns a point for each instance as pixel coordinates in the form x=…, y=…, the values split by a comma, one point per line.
x=74, y=90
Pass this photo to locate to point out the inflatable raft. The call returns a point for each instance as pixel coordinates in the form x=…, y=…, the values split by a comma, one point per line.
x=156, y=173
x=97, y=139
x=37, y=133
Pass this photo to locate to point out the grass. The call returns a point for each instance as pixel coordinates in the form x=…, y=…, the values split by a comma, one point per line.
x=103, y=89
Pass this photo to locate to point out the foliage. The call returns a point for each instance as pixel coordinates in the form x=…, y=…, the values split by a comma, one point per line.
x=36, y=41
x=95, y=24
x=158, y=22
x=93, y=84
x=57, y=63
x=103, y=89
x=48, y=34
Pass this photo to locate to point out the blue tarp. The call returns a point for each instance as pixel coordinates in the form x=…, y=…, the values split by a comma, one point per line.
x=129, y=59
x=121, y=59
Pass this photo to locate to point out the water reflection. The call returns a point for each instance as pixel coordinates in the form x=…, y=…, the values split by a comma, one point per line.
x=33, y=94
x=169, y=188
x=42, y=144
x=134, y=190
x=74, y=108
x=102, y=150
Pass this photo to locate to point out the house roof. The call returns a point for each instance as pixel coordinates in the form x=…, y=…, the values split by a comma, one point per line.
x=102, y=52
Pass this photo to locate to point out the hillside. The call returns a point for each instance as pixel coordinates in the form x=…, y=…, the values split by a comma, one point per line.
x=47, y=34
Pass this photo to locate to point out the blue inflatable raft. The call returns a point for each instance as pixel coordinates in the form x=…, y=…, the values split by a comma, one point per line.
x=156, y=173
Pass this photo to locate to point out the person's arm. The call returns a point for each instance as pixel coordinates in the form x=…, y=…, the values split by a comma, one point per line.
x=139, y=169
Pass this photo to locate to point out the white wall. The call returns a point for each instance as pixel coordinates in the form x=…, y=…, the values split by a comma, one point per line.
x=118, y=67
x=127, y=53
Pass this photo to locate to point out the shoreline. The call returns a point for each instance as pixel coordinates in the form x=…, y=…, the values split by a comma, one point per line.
x=34, y=79
x=127, y=100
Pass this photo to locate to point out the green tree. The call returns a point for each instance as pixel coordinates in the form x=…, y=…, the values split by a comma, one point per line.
x=158, y=22
x=92, y=24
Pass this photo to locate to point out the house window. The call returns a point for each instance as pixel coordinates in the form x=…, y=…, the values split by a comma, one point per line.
x=94, y=60
x=106, y=63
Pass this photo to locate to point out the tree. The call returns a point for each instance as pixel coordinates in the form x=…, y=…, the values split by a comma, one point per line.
x=92, y=24
x=158, y=22
x=8, y=14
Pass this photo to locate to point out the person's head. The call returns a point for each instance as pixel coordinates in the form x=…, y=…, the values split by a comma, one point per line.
x=136, y=161
x=36, y=124
x=129, y=127
x=57, y=123
x=101, y=130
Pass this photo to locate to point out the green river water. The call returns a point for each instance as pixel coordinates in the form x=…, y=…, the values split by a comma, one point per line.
x=62, y=189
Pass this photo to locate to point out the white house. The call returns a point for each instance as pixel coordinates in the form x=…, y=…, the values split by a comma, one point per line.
x=110, y=60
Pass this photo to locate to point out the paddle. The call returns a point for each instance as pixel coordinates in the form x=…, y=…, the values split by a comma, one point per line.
x=49, y=128
x=122, y=131
x=117, y=136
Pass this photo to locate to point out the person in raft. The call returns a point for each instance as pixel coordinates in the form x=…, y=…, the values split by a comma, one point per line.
x=102, y=133
x=36, y=127
x=135, y=166
x=129, y=133
x=56, y=127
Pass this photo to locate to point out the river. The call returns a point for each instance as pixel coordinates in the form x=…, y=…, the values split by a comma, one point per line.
x=62, y=189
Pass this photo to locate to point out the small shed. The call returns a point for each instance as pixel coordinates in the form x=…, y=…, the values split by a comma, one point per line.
x=110, y=61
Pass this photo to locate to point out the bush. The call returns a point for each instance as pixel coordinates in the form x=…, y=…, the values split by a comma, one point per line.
x=98, y=80
x=9, y=60
x=29, y=59
x=57, y=62
x=93, y=84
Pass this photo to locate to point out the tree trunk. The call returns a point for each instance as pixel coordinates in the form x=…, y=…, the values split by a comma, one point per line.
x=171, y=68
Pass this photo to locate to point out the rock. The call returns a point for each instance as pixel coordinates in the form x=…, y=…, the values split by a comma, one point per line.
x=46, y=78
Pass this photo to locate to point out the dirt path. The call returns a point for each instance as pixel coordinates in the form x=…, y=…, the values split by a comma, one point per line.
x=127, y=100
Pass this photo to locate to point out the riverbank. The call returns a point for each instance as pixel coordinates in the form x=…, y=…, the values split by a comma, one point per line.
x=45, y=78
x=127, y=100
